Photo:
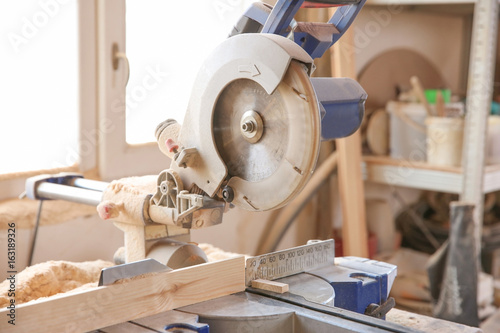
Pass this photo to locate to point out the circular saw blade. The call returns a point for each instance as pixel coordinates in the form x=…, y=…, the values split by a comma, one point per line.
x=244, y=159
x=268, y=142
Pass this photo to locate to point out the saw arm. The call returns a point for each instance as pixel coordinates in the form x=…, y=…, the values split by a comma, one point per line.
x=315, y=38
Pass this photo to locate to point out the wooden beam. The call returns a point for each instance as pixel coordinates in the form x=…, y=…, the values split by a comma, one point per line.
x=351, y=187
x=273, y=286
x=131, y=299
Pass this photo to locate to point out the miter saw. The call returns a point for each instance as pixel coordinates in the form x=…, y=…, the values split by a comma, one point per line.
x=250, y=139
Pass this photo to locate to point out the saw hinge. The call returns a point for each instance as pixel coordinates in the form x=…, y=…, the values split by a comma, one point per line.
x=171, y=204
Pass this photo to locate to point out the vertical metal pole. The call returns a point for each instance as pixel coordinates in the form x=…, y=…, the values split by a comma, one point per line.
x=479, y=93
x=35, y=233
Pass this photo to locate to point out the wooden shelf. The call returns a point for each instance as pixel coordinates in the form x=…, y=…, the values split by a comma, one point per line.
x=419, y=2
x=419, y=175
x=441, y=7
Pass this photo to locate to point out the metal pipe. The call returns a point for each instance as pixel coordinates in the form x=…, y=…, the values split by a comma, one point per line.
x=69, y=193
x=35, y=233
x=89, y=184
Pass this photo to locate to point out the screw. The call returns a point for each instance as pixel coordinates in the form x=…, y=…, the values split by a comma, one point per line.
x=228, y=194
x=248, y=126
x=163, y=187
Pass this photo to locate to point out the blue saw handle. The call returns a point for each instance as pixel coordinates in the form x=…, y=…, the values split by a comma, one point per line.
x=204, y=328
x=281, y=16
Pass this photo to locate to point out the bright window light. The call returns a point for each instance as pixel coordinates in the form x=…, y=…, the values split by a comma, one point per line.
x=167, y=41
x=39, y=84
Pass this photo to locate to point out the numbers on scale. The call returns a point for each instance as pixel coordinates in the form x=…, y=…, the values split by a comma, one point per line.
x=289, y=262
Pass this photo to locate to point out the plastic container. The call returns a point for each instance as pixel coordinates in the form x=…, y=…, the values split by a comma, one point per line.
x=444, y=140
x=431, y=95
x=407, y=131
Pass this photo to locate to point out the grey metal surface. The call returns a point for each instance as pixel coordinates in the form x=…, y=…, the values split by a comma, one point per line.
x=126, y=327
x=247, y=160
x=158, y=322
x=69, y=193
x=291, y=261
x=312, y=288
x=112, y=274
x=177, y=254
x=249, y=312
x=89, y=184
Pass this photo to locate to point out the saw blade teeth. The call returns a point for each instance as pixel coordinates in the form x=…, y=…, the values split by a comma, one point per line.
x=268, y=142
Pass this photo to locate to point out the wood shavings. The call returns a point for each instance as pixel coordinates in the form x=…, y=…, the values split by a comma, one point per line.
x=23, y=212
x=123, y=199
x=51, y=278
x=215, y=254
x=134, y=185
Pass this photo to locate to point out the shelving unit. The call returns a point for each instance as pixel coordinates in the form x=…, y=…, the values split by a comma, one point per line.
x=423, y=176
x=473, y=180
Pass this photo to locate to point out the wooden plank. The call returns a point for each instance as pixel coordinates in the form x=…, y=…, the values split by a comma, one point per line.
x=419, y=2
x=427, y=324
x=351, y=187
x=273, y=286
x=386, y=170
x=115, y=157
x=136, y=298
x=433, y=180
x=385, y=160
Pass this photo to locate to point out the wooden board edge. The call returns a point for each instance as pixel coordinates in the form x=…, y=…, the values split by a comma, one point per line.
x=273, y=286
x=136, y=298
x=384, y=160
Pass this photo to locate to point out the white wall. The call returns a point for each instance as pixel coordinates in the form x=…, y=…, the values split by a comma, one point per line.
x=438, y=37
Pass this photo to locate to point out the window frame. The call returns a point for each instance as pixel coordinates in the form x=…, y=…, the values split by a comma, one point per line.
x=117, y=158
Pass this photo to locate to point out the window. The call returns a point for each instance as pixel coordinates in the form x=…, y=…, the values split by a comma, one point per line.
x=64, y=102
x=49, y=90
x=167, y=42
x=39, y=84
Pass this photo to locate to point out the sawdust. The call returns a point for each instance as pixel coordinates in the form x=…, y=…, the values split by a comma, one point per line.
x=23, y=212
x=51, y=278
x=123, y=199
x=215, y=254
x=134, y=185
